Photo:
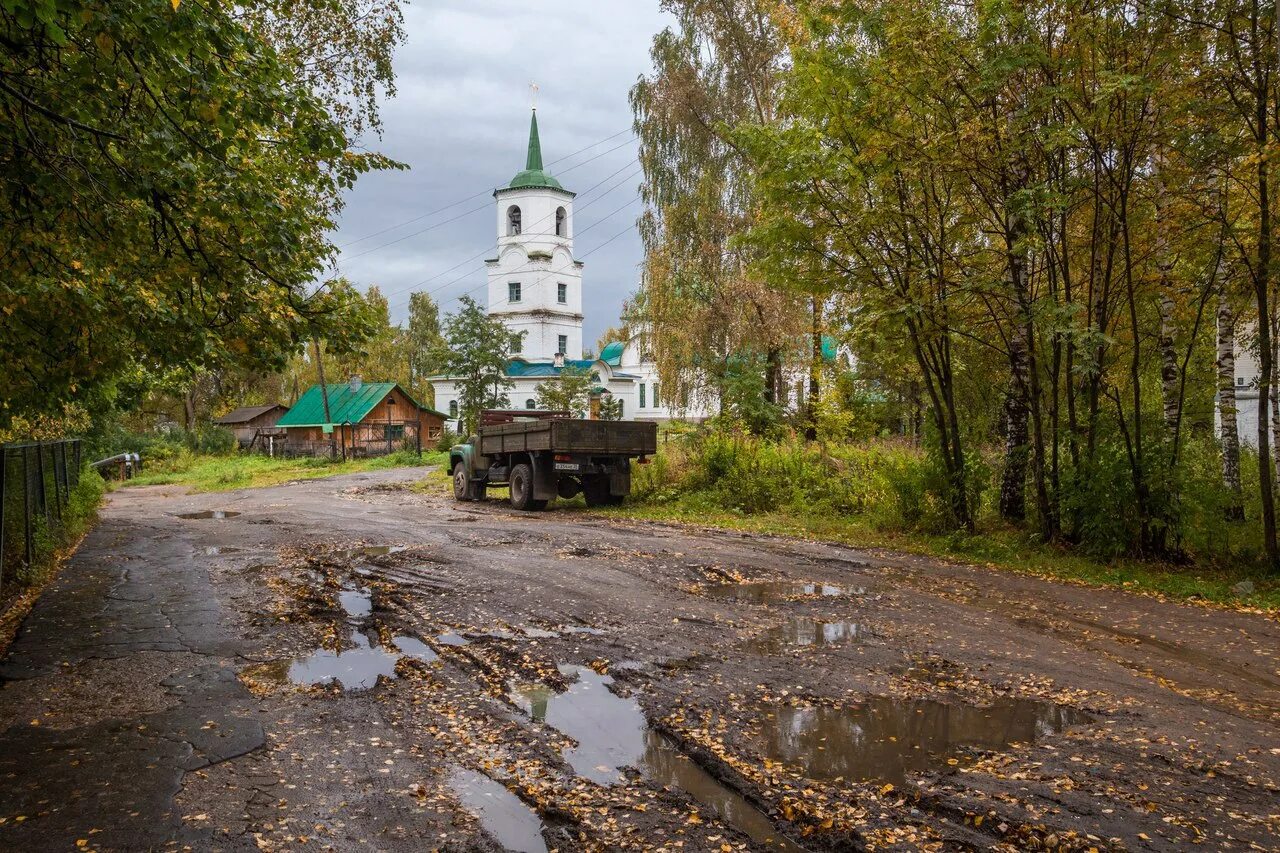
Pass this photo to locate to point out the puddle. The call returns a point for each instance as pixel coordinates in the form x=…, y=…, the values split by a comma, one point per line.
x=885, y=739
x=608, y=728
x=359, y=666
x=415, y=648
x=800, y=633
x=665, y=764
x=560, y=631
x=581, y=629
x=217, y=514
x=452, y=639
x=216, y=550
x=767, y=592
x=612, y=733
x=371, y=551
x=501, y=813
x=358, y=603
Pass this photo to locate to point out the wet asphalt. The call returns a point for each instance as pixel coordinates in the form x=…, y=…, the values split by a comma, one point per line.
x=351, y=664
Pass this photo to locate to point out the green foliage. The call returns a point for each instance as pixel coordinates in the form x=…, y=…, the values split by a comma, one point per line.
x=743, y=401
x=610, y=408
x=474, y=352
x=448, y=438
x=171, y=174
x=570, y=391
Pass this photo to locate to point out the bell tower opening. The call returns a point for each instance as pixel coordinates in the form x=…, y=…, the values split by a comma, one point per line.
x=562, y=222
x=513, y=221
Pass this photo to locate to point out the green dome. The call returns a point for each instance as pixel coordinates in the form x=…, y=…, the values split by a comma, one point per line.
x=533, y=175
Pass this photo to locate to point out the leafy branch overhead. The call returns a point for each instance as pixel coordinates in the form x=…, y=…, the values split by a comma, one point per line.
x=171, y=172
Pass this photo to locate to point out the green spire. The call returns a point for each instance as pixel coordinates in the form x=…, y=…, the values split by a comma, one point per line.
x=534, y=162
x=534, y=175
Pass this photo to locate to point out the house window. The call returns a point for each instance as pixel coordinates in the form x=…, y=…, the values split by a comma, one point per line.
x=513, y=291
x=393, y=432
x=562, y=344
x=642, y=395
x=529, y=404
x=620, y=401
x=657, y=403
x=562, y=292
x=453, y=408
x=562, y=222
x=513, y=221
x=1239, y=380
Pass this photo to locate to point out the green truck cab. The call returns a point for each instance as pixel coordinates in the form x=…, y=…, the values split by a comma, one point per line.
x=544, y=455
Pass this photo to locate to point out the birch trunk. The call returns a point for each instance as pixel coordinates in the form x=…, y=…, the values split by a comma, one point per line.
x=1227, y=407
x=1164, y=264
x=1013, y=501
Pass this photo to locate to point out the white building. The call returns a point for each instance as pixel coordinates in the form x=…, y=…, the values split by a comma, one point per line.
x=535, y=287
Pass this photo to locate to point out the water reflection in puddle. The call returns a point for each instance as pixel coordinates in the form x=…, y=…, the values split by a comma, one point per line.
x=608, y=728
x=358, y=603
x=217, y=514
x=612, y=733
x=501, y=813
x=885, y=739
x=665, y=764
x=451, y=639
x=802, y=632
x=767, y=592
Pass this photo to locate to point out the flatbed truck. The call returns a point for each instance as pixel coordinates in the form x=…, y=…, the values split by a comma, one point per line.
x=544, y=455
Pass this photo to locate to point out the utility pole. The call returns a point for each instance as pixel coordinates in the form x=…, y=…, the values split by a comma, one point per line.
x=324, y=392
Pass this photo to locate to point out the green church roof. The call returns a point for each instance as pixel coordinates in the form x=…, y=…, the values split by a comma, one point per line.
x=345, y=405
x=534, y=176
x=612, y=353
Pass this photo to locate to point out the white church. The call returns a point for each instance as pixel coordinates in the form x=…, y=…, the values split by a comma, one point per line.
x=535, y=287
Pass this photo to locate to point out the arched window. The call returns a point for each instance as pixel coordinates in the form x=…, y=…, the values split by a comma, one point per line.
x=562, y=222
x=529, y=404
x=453, y=408
x=513, y=221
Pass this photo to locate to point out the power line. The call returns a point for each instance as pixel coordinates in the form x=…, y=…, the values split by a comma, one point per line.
x=487, y=192
x=400, y=290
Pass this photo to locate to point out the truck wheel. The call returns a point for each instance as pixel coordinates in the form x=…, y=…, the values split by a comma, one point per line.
x=521, y=483
x=462, y=490
x=595, y=490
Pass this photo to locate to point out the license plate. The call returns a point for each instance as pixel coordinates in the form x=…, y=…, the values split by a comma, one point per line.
x=568, y=466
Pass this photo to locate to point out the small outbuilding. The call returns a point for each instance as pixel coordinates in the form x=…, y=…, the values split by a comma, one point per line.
x=364, y=419
x=248, y=421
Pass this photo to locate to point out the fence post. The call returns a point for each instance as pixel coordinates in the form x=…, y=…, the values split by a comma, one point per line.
x=44, y=494
x=77, y=461
x=27, y=509
x=57, y=489
x=4, y=481
x=60, y=462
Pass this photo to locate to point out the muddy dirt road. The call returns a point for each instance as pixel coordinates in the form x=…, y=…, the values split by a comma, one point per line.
x=349, y=664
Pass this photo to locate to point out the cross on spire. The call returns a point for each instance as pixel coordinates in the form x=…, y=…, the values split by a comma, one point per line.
x=533, y=94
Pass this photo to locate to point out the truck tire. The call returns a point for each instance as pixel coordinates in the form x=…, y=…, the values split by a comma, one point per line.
x=461, y=483
x=521, y=482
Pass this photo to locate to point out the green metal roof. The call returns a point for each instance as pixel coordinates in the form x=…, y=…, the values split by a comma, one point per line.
x=534, y=176
x=612, y=353
x=345, y=405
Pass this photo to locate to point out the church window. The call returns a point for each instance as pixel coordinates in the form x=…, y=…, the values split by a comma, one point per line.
x=513, y=291
x=562, y=292
x=562, y=222
x=529, y=404
x=453, y=408
x=619, y=407
x=513, y=221
x=656, y=401
x=642, y=395
x=562, y=344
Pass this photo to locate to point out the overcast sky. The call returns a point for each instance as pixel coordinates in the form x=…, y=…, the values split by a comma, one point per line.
x=460, y=120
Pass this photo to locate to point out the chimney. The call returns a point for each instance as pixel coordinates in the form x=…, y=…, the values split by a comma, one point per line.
x=355, y=384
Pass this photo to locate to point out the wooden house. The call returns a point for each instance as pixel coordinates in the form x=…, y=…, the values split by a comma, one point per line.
x=247, y=421
x=364, y=419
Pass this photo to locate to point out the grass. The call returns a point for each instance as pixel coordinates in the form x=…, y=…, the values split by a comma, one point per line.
x=1006, y=550
x=250, y=471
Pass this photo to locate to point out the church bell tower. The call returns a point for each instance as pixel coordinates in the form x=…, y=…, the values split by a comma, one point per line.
x=535, y=285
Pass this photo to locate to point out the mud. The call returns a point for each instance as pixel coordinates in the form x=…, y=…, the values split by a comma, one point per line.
x=366, y=672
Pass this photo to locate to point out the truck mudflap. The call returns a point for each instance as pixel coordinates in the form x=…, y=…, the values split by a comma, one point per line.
x=545, y=479
x=620, y=479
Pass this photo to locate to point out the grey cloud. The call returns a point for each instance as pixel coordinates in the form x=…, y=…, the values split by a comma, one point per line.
x=460, y=121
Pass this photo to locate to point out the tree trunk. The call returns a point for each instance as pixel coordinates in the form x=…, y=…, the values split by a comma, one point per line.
x=815, y=374
x=1169, y=385
x=1013, y=504
x=189, y=409
x=1227, y=407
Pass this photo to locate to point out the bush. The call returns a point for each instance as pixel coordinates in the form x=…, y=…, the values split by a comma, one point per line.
x=48, y=538
x=448, y=438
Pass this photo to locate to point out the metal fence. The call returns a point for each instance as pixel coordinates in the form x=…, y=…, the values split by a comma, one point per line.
x=36, y=479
